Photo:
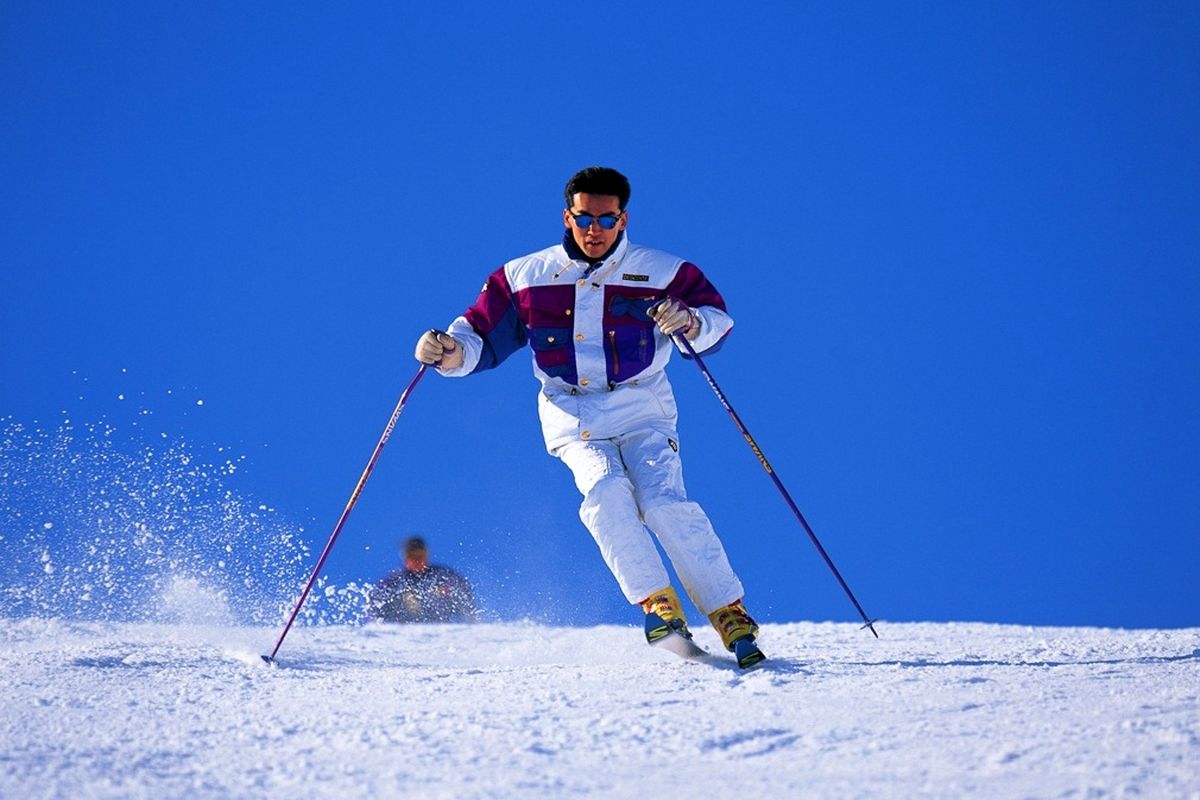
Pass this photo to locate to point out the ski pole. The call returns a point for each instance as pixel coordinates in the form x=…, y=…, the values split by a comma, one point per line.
x=870, y=623
x=337, y=529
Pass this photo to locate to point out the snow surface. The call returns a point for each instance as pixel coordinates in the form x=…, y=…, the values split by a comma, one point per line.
x=139, y=588
x=131, y=710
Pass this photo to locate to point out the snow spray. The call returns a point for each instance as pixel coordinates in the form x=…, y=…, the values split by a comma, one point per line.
x=110, y=524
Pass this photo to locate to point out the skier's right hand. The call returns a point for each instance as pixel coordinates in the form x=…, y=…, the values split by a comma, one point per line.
x=435, y=347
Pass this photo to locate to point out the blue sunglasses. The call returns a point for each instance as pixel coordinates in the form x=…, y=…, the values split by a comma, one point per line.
x=607, y=221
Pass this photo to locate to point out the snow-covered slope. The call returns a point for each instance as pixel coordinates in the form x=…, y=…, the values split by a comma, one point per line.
x=522, y=710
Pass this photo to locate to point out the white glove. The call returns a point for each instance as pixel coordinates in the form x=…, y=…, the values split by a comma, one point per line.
x=673, y=316
x=442, y=349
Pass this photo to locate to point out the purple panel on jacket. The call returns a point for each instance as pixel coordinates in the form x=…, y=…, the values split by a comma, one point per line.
x=690, y=286
x=494, y=301
x=628, y=330
x=547, y=306
x=494, y=317
x=546, y=312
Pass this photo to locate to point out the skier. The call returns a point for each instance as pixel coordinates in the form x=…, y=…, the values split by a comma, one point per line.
x=599, y=312
x=422, y=592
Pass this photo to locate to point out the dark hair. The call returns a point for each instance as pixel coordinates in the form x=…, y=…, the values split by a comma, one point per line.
x=414, y=543
x=598, y=180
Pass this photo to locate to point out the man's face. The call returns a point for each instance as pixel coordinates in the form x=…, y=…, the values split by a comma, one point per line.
x=416, y=560
x=594, y=240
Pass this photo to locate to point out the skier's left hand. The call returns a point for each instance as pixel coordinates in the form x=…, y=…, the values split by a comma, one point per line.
x=674, y=316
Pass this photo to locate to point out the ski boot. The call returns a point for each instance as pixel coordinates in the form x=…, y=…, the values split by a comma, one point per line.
x=666, y=627
x=737, y=631
x=664, y=616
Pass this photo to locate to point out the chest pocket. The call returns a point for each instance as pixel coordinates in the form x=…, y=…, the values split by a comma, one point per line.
x=636, y=308
x=628, y=332
x=553, y=352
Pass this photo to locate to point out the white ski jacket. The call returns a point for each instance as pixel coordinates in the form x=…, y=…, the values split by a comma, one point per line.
x=599, y=356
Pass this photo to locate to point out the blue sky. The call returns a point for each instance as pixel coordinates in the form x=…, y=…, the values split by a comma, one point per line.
x=959, y=242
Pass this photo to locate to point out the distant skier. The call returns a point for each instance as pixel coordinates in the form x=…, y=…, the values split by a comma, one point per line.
x=422, y=592
x=599, y=313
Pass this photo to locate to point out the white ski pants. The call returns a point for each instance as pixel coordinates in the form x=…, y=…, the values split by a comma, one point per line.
x=633, y=482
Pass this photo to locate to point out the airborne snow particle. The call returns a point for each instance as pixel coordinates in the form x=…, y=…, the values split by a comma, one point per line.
x=199, y=402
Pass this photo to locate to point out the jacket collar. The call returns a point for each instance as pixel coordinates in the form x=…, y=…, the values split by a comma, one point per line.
x=574, y=252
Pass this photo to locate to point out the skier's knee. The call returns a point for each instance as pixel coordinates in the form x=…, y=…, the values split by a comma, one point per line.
x=666, y=503
x=610, y=488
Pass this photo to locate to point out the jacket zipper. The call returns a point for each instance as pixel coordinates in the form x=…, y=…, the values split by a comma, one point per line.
x=616, y=361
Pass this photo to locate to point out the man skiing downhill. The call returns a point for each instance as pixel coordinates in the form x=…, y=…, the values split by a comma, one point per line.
x=599, y=313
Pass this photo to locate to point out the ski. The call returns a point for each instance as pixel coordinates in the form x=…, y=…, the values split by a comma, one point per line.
x=747, y=652
x=674, y=638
